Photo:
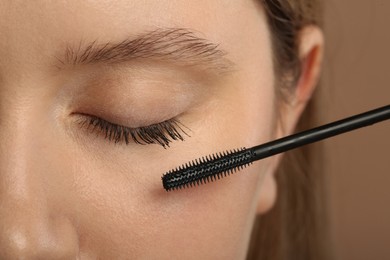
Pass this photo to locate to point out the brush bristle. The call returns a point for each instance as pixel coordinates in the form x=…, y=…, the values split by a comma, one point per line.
x=207, y=169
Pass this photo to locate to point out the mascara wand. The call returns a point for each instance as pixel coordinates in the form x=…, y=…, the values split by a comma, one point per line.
x=216, y=166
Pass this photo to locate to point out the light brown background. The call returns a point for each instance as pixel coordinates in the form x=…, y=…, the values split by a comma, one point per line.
x=357, y=78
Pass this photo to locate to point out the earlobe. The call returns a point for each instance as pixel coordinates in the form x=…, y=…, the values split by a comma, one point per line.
x=267, y=195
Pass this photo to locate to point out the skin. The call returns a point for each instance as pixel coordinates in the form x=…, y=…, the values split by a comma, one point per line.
x=68, y=194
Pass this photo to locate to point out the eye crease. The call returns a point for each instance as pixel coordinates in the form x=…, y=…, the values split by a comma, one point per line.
x=161, y=133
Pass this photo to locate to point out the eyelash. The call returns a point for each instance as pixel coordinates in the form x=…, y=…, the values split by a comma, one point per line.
x=161, y=133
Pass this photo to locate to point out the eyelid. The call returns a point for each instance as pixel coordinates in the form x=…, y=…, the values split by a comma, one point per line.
x=160, y=133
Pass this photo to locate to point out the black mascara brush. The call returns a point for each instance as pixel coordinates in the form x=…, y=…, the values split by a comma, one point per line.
x=216, y=166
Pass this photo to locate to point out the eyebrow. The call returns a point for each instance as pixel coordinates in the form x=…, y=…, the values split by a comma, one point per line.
x=177, y=45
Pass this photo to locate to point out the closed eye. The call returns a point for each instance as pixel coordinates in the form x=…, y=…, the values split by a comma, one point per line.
x=160, y=133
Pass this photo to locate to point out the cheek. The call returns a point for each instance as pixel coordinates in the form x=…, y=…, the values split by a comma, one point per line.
x=130, y=214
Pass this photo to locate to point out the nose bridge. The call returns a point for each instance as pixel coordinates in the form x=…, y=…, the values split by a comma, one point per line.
x=29, y=227
x=16, y=150
x=20, y=145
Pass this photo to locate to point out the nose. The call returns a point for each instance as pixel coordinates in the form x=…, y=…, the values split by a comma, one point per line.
x=32, y=235
x=33, y=221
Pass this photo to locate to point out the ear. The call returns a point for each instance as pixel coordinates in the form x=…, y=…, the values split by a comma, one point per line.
x=311, y=50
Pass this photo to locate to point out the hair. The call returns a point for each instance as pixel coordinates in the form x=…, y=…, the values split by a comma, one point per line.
x=294, y=228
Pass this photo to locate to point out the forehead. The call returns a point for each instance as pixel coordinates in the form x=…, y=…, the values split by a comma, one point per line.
x=31, y=32
x=75, y=17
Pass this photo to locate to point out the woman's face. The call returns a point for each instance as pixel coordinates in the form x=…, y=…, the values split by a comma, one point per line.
x=66, y=190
